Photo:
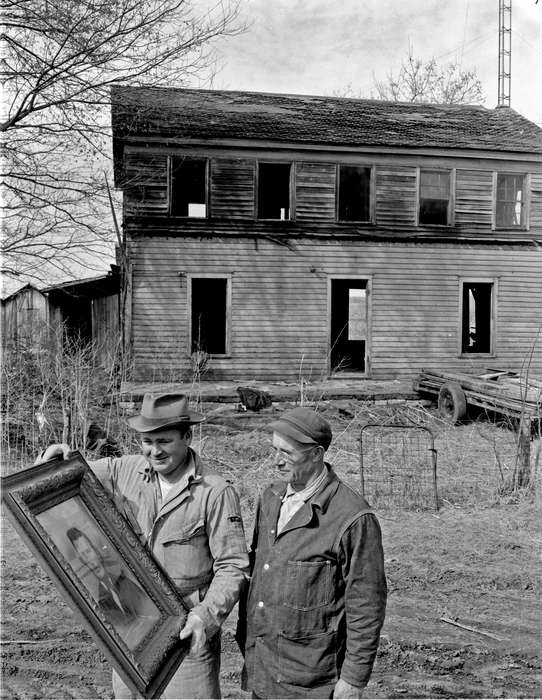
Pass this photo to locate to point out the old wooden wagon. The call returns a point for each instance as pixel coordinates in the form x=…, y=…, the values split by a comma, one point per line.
x=511, y=394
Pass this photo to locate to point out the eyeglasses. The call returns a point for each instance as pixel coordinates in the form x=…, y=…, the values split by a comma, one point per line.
x=292, y=457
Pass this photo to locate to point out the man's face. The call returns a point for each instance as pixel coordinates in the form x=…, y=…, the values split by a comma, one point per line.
x=166, y=450
x=90, y=556
x=296, y=463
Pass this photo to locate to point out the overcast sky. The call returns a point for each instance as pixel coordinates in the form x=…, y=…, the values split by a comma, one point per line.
x=321, y=46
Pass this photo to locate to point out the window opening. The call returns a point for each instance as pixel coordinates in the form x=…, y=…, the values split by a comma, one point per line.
x=274, y=191
x=348, y=325
x=510, y=200
x=476, y=317
x=189, y=187
x=354, y=193
x=434, y=197
x=208, y=313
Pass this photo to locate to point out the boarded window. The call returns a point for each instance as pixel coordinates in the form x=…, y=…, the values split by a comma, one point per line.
x=510, y=200
x=189, y=187
x=477, y=313
x=354, y=193
x=274, y=191
x=434, y=197
x=209, y=315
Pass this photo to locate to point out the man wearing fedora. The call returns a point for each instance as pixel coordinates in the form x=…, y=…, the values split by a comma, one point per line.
x=190, y=518
x=309, y=626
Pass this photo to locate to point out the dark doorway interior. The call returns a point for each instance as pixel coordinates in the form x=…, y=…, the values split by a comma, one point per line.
x=209, y=315
x=348, y=325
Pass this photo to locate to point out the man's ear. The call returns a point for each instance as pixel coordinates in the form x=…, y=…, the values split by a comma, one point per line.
x=188, y=436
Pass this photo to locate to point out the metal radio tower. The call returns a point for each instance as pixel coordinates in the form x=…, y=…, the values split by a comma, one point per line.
x=505, y=52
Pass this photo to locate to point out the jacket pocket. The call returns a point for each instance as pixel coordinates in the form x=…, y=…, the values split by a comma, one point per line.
x=308, y=585
x=186, y=553
x=308, y=661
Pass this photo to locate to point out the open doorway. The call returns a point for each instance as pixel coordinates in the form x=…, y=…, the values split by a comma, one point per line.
x=349, y=325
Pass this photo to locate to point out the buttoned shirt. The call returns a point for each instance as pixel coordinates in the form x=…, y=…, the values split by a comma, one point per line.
x=294, y=500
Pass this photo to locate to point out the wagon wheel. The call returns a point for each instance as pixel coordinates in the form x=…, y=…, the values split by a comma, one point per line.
x=452, y=403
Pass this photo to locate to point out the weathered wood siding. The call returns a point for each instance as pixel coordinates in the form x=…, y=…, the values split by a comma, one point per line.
x=232, y=191
x=105, y=328
x=315, y=191
x=279, y=317
x=396, y=196
x=474, y=198
x=146, y=184
x=232, y=188
x=25, y=319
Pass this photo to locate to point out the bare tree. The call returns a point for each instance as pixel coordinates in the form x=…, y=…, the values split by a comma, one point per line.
x=425, y=81
x=59, y=59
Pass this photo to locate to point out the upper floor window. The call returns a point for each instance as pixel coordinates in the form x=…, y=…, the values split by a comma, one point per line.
x=435, y=197
x=510, y=200
x=274, y=191
x=188, y=187
x=354, y=193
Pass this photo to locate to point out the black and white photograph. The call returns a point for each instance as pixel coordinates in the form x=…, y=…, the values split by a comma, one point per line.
x=271, y=349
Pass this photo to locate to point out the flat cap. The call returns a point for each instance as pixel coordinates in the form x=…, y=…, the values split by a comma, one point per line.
x=305, y=426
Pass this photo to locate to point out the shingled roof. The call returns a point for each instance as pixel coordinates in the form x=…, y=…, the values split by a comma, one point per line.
x=139, y=112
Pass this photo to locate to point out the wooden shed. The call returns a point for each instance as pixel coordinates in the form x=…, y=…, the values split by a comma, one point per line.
x=88, y=309
x=272, y=237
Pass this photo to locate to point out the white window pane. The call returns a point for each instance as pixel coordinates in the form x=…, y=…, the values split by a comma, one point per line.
x=357, y=314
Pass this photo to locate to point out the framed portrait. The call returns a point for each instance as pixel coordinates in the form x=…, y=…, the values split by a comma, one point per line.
x=123, y=598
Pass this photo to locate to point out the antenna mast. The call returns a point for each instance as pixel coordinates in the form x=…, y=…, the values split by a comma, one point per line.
x=505, y=52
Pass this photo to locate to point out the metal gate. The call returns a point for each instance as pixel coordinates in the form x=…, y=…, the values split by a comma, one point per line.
x=398, y=466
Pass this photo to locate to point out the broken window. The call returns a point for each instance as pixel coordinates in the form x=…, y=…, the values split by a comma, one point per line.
x=189, y=187
x=209, y=305
x=434, y=197
x=354, y=193
x=274, y=191
x=477, y=313
x=510, y=200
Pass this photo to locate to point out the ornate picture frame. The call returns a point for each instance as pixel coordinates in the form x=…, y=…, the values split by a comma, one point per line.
x=102, y=570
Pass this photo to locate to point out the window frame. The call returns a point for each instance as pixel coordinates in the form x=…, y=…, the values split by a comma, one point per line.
x=228, y=276
x=526, y=206
x=494, y=281
x=171, y=158
x=291, y=189
x=371, y=169
x=451, y=196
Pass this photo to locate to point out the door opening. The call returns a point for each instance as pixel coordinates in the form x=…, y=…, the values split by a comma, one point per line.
x=348, y=325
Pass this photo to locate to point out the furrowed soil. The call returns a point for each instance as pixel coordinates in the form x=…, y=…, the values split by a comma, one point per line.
x=475, y=563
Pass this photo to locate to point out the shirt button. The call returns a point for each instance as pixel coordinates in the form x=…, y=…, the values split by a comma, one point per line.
x=265, y=567
x=260, y=604
x=272, y=532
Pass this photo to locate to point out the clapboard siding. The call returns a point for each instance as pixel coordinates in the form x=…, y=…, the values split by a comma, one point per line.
x=279, y=314
x=232, y=188
x=396, y=195
x=146, y=184
x=315, y=191
x=473, y=197
x=536, y=201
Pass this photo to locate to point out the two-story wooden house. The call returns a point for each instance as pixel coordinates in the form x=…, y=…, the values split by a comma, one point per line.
x=289, y=236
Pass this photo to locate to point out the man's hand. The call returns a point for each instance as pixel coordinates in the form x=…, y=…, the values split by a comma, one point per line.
x=345, y=690
x=58, y=450
x=194, y=627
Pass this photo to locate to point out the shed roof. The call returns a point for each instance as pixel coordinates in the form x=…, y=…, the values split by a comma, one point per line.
x=223, y=115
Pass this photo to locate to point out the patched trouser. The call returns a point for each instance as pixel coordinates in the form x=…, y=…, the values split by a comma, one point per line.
x=196, y=677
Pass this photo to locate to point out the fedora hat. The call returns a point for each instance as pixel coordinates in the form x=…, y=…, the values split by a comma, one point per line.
x=163, y=410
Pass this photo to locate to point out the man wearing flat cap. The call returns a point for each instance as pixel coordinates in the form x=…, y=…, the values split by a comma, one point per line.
x=310, y=624
x=190, y=519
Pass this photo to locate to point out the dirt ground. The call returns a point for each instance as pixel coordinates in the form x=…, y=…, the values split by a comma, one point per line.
x=476, y=562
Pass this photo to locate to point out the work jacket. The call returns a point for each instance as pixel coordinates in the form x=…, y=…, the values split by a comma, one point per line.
x=317, y=597
x=196, y=534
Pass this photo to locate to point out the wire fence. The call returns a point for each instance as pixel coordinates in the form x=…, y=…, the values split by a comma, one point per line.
x=398, y=466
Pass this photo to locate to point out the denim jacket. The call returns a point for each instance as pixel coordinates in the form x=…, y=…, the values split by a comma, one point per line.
x=196, y=535
x=317, y=597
